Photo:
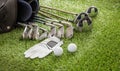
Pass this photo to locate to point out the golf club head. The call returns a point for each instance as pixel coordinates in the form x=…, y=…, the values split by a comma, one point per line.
x=25, y=32
x=30, y=33
x=69, y=32
x=35, y=32
x=53, y=30
x=60, y=33
x=80, y=16
x=80, y=24
x=60, y=29
x=43, y=35
x=69, y=29
x=92, y=11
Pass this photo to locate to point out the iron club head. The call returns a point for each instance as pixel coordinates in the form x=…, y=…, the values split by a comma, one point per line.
x=44, y=34
x=69, y=29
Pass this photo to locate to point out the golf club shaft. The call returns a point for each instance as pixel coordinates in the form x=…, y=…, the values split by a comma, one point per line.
x=47, y=19
x=57, y=16
x=50, y=19
x=43, y=20
x=58, y=10
x=43, y=14
x=38, y=21
x=54, y=15
x=54, y=22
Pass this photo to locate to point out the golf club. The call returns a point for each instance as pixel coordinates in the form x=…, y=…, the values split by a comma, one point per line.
x=91, y=11
x=68, y=29
x=49, y=18
x=53, y=28
x=60, y=31
x=32, y=31
x=27, y=31
x=82, y=21
x=86, y=17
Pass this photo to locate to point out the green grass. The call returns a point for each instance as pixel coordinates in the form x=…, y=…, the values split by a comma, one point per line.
x=98, y=50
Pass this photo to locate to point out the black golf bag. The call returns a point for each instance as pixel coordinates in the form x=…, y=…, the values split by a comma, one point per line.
x=8, y=14
x=13, y=11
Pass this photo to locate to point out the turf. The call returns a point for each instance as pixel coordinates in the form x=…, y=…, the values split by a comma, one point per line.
x=98, y=50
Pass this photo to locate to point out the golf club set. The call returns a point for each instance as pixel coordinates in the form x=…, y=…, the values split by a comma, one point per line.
x=79, y=18
x=33, y=15
x=30, y=12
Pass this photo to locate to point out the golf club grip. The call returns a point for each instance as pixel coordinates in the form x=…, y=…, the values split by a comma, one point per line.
x=48, y=19
x=54, y=15
x=57, y=10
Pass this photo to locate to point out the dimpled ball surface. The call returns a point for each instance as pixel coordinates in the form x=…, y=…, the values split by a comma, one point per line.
x=72, y=47
x=58, y=51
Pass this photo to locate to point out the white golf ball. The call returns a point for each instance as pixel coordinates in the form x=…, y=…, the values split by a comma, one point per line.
x=58, y=51
x=72, y=47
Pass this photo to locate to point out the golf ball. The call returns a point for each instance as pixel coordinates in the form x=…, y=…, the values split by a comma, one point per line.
x=58, y=51
x=72, y=47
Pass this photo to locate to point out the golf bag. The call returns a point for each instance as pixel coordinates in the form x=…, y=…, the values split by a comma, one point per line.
x=8, y=14
x=13, y=11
